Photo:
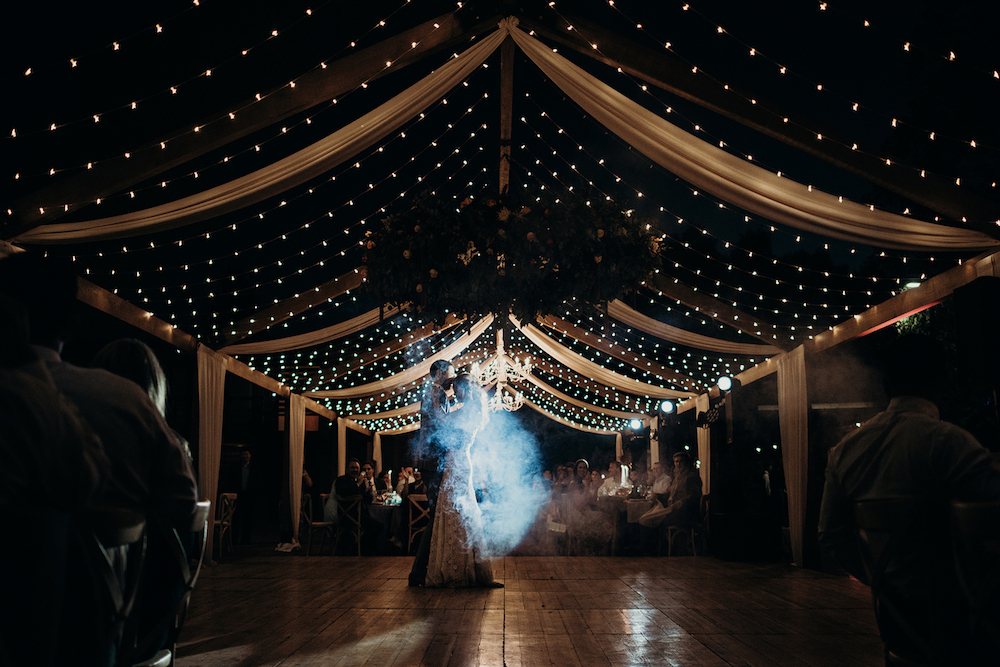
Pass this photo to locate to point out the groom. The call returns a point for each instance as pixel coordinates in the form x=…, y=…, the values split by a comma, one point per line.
x=433, y=406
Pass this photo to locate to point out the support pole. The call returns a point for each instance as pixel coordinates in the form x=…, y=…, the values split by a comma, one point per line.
x=506, y=110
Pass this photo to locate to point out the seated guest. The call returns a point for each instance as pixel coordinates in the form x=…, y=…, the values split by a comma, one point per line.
x=681, y=506
x=405, y=477
x=907, y=452
x=660, y=481
x=51, y=464
x=613, y=483
x=368, y=471
x=48, y=454
x=581, y=473
x=383, y=482
x=418, y=485
x=150, y=471
x=564, y=479
x=134, y=360
x=149, y=468
x=354, y=483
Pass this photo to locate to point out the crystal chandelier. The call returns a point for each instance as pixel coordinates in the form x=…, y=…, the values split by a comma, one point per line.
x=500, y=371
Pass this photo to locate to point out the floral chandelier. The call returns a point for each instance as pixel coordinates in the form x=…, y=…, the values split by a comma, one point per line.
x=526, y=255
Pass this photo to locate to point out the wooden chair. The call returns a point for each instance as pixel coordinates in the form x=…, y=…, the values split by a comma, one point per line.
x=418, y=515
x=113, y=544
x=696, y=532
x=976, y=543
x=223, y=523
x=310, y=526
x=894, y=536
x=184, y=549
x=349, y=520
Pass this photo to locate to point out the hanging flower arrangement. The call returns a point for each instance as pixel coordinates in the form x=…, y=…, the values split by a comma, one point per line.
x=524, y=255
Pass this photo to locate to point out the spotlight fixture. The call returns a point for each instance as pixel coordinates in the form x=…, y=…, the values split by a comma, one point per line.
x=636, y=424
x=725, y=383
x=667, y=407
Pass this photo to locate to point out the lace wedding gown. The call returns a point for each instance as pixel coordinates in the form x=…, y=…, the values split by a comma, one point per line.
x=457, y=539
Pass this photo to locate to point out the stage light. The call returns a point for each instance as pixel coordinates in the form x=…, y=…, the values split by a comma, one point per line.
x=667, y=407
x=725, y=384
x=636, y=424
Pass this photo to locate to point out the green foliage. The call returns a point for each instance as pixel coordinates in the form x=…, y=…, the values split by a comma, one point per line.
x=525, y=254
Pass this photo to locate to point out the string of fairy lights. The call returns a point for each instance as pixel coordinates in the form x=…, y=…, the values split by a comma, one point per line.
x=208, y=71
x=319, y=190
x=262, y=249
x=737, y=289
x=716, y=204
x=357, y=359
x=753, y=52
x=875, y=289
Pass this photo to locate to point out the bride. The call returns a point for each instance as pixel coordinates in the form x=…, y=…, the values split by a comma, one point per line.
x=457, y=540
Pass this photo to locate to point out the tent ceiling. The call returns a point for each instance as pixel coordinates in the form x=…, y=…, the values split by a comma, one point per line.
x=736, y=287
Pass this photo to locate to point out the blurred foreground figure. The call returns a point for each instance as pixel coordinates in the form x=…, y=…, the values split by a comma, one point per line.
x=149, y=469
x=908, y=453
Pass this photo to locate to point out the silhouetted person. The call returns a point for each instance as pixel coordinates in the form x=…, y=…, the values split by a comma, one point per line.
x=150, y=471
x=433, y=406
x=906, y=452
x=51, y=465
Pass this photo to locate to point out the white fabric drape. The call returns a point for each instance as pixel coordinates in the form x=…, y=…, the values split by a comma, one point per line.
x=704, y=435
x=211, y=402
x=636, y=320
x=410, y=374
x=308, y=339
x=733, y=179
x=588, y=368
x=566, y=422
x=793, y=420
x=341, y=446
x=296, y=454
x=581, y=404
x=377, y=451
x=284, y=174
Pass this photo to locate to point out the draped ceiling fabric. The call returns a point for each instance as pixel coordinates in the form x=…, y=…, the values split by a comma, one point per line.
x=589, y=369
x=211, y=400
x=284, y=174
x=793, y=418
x=410, y=374
x=619, y=311
x=703, y=165
x=704, y=443
x=733, y=179
x=296, y=453
x=573, y=425
x=318, y=337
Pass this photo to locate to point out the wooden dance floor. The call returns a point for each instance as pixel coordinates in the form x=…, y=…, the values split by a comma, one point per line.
x=292, y=610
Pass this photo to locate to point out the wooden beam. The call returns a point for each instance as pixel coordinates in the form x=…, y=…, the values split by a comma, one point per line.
x=929, y=292
x=722, y=312
x=311, y=89
x=113, y=305
x=506, y=110
x=281, y=311
x=665, y=71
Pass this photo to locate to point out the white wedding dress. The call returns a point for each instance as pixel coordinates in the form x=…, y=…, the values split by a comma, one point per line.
x=457, y=556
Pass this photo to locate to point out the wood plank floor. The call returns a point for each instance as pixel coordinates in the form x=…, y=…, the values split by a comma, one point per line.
x=294, y=610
